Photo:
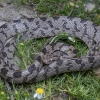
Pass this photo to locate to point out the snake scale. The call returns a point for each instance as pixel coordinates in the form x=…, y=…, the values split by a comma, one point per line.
x=47, y=27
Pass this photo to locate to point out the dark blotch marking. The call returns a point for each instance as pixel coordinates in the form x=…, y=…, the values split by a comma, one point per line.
x=85, y=30
x=75, y=27
x=83, y=20
x=52, y=31
x=45, y=75
x=8, y=44
x=9, y=58
x=91, y=59
x=31, y=33
x=42, y=32
x=68, y=64
x=11, y=68
x=9, y=79
x=17, y=74
x=4, y=71
x=4, y=54
x=44, y=51
x=83, y=64
x=37, y=22
x=30, y=19
x=67, y=28
x=9, y=51
x=38, y=69
x=69, y=67
x=12, y=65
x=78, y=61
x=6, y=65
x=56, y=69
x=34, y=29
x=61, y=52
x=1, y=41
x=75, y=51
x=32, y=68
x=4, y=33
x=56, y=18
x=94, y=25
x=14, y=26
x=26, y=26
x=46, y=68
x=70, y=17
x=38, y=26
x=46, y=28
x=3, y=26
x=39, y=59
x=43, y=18
x=59, y=62
x=16, y=21
x=56, y=28
x=1, y=59
x=50, y=23
x=25, y=79
x=64, y=26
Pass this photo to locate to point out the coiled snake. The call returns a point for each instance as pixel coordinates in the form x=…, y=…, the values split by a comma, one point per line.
x=46, y=27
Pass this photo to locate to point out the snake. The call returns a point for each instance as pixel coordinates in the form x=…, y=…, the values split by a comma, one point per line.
x=31, y=28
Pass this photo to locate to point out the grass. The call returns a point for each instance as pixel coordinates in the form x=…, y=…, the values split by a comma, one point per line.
x=73, y=8
x=27, y=51
x=80, y=85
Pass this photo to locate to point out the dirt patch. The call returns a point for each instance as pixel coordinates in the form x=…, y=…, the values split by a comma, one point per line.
x=13, y=12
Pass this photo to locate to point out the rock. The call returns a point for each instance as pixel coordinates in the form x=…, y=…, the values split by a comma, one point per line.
x=27, y=11
x=62, y=96
x=9, y=12
x=89, y=7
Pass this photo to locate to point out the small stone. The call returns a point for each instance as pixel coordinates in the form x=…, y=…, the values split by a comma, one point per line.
x=27, y=11
x=62, y=96
x=89, y=7
x=9, y=12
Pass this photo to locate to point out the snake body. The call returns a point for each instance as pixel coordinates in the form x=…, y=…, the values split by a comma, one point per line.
x=47, y=27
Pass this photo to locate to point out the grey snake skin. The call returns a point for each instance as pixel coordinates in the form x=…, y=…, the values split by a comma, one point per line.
x=47, y=27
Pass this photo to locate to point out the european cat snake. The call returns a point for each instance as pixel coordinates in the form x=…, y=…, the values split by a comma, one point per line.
x=47, y=27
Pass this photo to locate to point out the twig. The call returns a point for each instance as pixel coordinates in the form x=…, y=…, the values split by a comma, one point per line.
x=71, y=11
